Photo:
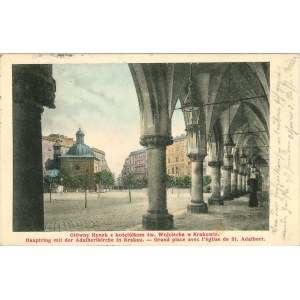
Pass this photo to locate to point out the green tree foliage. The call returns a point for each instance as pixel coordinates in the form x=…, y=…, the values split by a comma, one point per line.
x=64, y=178
x=128, y=180
x=184, y=181
x=206, y=180
x=170, y=181
x=144, y=182
x=49, y=183
x=105, y=178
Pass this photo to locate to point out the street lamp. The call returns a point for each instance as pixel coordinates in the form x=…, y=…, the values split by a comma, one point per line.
x=228, y=146
x=191, y=112
x=243, y=158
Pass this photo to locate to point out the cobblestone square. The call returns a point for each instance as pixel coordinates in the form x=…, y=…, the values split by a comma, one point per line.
x=113, y=211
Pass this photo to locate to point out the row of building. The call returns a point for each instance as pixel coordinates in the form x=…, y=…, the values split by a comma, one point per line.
x=177, y=162
x=61, y=152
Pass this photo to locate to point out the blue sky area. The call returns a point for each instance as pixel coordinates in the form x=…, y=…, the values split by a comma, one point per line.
x=101, y=98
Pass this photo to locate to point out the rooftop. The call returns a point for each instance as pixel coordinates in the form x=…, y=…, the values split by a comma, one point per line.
x=136, y=152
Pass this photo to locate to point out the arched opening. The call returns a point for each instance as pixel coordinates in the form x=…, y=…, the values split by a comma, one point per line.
x=158, y=88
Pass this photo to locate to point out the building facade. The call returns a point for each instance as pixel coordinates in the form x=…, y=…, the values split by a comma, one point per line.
x=136, y=163
x=177, y=162
x=53, y=146
x=102, y=161
x=81, y=162
x=47, y=154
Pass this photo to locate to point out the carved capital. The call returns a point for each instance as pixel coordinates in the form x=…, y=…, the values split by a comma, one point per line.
x=215, y=164
x=196, y=156
x=192, y=128
x=33, y=85
x=154, y=141
x=228, y=156
x=234, y=171
x=227, y=168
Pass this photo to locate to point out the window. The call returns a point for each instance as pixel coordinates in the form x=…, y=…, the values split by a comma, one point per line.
x=77, y=168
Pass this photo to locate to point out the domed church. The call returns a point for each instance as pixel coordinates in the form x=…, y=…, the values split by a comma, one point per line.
x=80, y=160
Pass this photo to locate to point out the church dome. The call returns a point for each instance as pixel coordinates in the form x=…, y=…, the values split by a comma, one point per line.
x=80, y=148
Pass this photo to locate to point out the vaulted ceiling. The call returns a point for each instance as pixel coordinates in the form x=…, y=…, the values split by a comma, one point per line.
x=234, y=97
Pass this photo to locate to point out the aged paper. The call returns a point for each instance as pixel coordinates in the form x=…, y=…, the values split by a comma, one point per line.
x=283, y=226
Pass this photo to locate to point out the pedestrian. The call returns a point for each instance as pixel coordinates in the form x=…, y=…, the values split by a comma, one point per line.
x=253, y=187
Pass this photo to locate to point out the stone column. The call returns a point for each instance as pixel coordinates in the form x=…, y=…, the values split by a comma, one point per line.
x=243, y=184
x=234, y=183
x=215, y=183
x=227, y=167
x=157, y=217
x=246, y=182
x=227, y=183
x=33, y=88
x=197, y=204
x=239, y=183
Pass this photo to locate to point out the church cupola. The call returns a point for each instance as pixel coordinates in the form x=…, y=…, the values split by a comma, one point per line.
x=80, y=136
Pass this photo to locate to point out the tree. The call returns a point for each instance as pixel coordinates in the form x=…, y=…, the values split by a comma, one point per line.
x=49, y=184
x=170, y=182
x=105, y=178
x=206, y=183
x=129, y=181
x=144, y=182
x=186, y=181
x=65, y=178
x=206, y=180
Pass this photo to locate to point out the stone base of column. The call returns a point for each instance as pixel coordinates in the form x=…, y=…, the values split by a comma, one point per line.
x=215, y=201
x=158, y=221
x=197, y=208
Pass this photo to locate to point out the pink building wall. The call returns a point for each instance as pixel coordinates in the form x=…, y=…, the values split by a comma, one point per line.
x=47, y=153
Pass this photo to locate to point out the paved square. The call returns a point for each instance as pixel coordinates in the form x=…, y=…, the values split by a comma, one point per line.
x=113, y=211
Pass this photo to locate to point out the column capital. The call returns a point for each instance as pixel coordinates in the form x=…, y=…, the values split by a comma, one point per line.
x=156, y=140
x=192, y=128
x=33, y=85
x=196, y=156
x=227, y=168
x=235, y=171
x=215, y=164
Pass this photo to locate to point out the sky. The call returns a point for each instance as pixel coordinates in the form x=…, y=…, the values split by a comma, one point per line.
x=101, y=99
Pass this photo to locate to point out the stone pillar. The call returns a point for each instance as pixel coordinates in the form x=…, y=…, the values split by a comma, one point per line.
x=197, y=204
x=239, y=183
x=246, y=182
x=215, y=183
x=33, y=88
x=234, y=183
x=242, y=184
x=157, y=217
x=227, y=183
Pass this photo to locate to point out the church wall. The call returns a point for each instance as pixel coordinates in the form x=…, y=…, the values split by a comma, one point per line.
x=81, y=167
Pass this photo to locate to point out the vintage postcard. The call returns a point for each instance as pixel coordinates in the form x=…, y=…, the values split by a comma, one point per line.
x=149, y=149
